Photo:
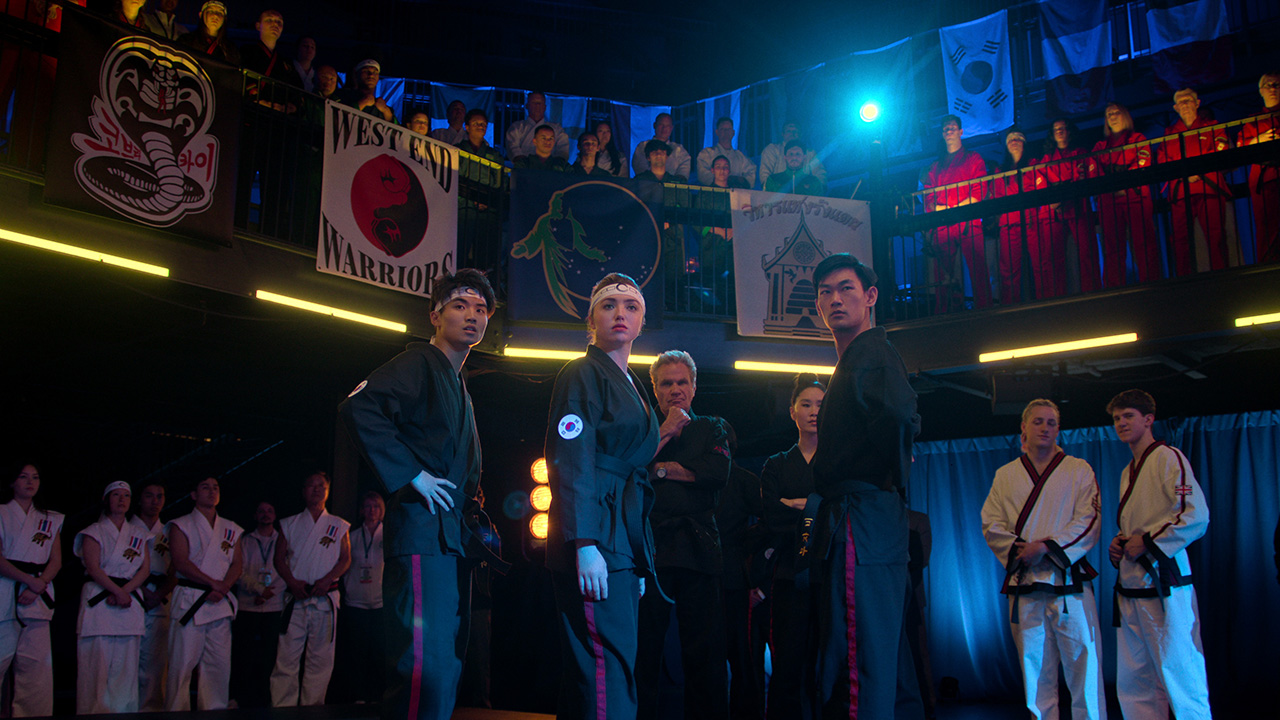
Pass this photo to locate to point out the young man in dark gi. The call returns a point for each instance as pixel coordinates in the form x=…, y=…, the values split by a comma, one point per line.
x=688, y=473
x=413, y=422
x=866, y=428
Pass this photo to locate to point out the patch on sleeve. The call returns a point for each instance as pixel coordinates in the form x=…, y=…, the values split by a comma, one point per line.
x=721, y=449
x=358, y=388
x=570, y=426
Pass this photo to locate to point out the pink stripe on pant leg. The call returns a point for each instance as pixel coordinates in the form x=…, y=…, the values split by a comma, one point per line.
x=415, y=677
x=597, y=652
x=850, y=617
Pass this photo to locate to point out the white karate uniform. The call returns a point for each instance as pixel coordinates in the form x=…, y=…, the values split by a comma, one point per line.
x=519, y=138
x=739, y=164
x=1159, y=656
x=205, y=640
x=24, y=629
x=679, y=161
x=449, y=136
x=153, y=649
x=108, y=635
x=1057, y=615
x=314, y=548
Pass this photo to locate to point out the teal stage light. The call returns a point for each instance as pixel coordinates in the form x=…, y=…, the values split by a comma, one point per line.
x=869, y=112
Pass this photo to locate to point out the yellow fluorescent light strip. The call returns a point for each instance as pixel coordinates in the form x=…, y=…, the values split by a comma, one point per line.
x=335, y=312
x=540, y=354
x=82, y=253
x=1257, y=320
x=782, y=367
x=1058, y=347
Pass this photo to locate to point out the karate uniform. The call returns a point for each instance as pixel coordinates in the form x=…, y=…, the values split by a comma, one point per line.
x=26, y=540
x=255, y=633
x=601, y=435
x=959, y=167
x=309, y=624
x=1199, y=204
x=153, y=648
x=791, y=688
x=518, y=140
x=740, y=506
x=107, y=635
x=866, y=430
x=414, y=413
x=1053, y=613
x=1072, y=220
x=690, y=564
x=200, y=631
x=1127, y=215
x=739, y=165
x=679, y=162
x=361, y=634
x=1264, y=189
x=1159, y=656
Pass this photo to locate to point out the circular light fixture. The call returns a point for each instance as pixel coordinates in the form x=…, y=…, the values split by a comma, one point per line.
x=538, y=526
x=540, y=498
x=869, y=112
x=538, y=471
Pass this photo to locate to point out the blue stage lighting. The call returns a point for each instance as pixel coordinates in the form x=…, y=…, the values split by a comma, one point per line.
x=869, y=112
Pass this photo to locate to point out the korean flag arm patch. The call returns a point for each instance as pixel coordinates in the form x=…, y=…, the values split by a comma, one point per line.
x=570, y=426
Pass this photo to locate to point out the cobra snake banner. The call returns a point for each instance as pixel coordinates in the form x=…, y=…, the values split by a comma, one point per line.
x=143, y=130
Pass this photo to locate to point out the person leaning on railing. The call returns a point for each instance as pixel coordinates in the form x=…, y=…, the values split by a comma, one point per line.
x=1127, y=214
x=1065, y=221
x=1019, y=227
x=1264, y=178
x=1198, y=202
x=956, y=169
x=210, y=37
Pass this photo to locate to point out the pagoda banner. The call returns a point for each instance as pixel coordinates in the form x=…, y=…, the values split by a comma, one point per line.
x=778, y=240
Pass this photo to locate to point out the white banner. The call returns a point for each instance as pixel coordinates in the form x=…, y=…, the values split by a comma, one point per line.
x=388, y=203
x=777, y=242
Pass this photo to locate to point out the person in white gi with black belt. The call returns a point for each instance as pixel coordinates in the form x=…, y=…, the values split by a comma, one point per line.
x=206, y=556
x=30, y=557
x=1041, y=520
x=312, y=553
x=1159, y=656
x=112, y=619
x=153, y=650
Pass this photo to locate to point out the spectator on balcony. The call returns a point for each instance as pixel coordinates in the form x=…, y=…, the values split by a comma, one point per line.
x=610, y=159
x=773, y=159
x=362, y=90
x=739, y=164
x=419, y=122
x=960, y=169
x=304, y=55
x=722, y=177
x=521, y=137
x=129, y=12
x=679, y=162
x=1198, y=202
x=1068, y=223
x=588, y=153
x=456, y=132
x=164, y=21
x=1264, y=178
x=796, y=178
x=658, y=154
x=544, y=144
x=327, y=82
x=1127, y=214
x=480, y=193
x=477, y=124
x=1019, y=227
x=263, y=56
x=210, y=37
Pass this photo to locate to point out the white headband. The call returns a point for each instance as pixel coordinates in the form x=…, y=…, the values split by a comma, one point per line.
x=117, y=485
x=1015, y=136
x=630, y=291
x=461, y=291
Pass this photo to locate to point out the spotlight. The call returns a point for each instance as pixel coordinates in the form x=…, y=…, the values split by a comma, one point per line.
x=538, y=471
x=540, y=498
x=869, y=112
x=538, y=526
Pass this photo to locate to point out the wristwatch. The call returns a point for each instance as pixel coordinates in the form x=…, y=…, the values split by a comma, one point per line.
x=661, y=472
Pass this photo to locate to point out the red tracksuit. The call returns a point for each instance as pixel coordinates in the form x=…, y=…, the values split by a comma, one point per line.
x=1015, y=227
x=958, y=168
x=1199, y=199
x=1126, y=214
x=1072, y=218
x=1264, y=190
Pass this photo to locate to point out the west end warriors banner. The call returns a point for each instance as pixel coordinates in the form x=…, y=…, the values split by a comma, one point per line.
x=777, y=242
x=143, y=130
x=388, y=203
x=568, y=231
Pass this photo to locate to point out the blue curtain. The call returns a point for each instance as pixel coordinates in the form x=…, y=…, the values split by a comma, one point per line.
x=1234, y=459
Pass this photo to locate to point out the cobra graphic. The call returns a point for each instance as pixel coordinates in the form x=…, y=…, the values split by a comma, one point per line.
x=150, y=157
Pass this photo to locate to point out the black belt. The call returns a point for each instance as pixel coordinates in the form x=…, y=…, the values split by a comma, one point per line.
x=287, y=615
x=34, y=569
x=200, y=601
x=93, y=601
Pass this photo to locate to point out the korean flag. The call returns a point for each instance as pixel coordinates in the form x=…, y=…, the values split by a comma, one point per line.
x=975, y=61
